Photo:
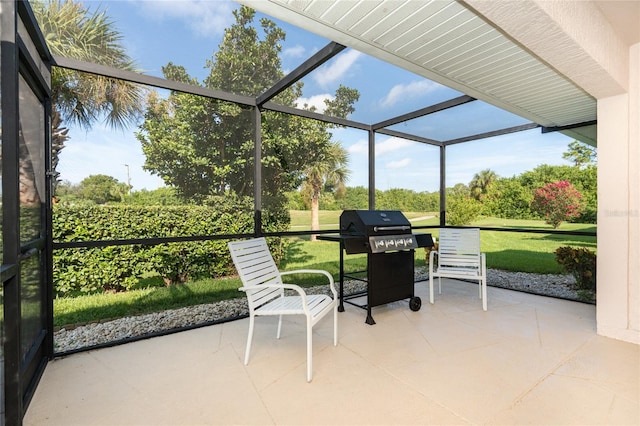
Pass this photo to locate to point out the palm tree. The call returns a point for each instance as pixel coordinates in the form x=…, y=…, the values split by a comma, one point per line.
x=328, y=172
x=481, y=182
x=73, y=31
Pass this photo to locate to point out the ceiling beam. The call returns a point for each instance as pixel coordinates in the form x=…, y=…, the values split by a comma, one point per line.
x=161, y=83
x=569, y=127
x=322, y=56
x=272, y=106
x=492, y=134
x=424, y=111
x=408, y=136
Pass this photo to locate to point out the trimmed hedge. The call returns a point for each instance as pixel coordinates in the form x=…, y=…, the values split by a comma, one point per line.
x=120, y=267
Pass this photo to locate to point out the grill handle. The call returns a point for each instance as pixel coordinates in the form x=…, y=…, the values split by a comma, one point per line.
x=391, y=228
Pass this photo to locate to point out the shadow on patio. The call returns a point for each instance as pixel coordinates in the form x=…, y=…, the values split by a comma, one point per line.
x=527, y=360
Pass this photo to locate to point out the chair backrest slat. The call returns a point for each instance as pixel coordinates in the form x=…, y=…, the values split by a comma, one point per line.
x=459, y=248
x=256, y=267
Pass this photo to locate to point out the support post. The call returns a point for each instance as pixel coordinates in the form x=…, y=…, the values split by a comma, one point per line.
x=257, y=176
x=443, y=186
x=12, y=404
x=372, y=169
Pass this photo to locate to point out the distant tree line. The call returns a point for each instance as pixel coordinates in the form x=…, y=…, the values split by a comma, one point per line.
x=486, y=195
x=509, y=198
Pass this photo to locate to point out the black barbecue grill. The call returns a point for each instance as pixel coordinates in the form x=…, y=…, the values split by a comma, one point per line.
x=387, y=239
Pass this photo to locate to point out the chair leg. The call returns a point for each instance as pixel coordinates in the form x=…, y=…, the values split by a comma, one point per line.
x=430, y=289
x=335, y=325
x=309, y=348
x=484, y=294
x=439, y=285
x=249, y=339
x=279, y=326
x=483, y=281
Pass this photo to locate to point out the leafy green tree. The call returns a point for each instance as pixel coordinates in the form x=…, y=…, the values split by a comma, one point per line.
x=508, y=198
x=557, y=202
x=580, y=154
x=481, y=183
x=459, y=189
x=204, y=147
x=462, y=210
x=332, y=200
x=356, y=198
x=391, y=199
x=102, y=189
x=163, y=196
x=586, y=182
x=342, y=103
x=295, y=201
x=66, y=192
x=406, y=200
x=71, y=30
x=428, y=202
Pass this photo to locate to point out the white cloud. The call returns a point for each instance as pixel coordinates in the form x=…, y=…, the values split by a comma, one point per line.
x=297, y=51
x=359, y=147
x=392, y=144
x=316, y=101
x=203, y=17
x=336, y=69
x=411, y=90
x=382, y=148
x=398, y=164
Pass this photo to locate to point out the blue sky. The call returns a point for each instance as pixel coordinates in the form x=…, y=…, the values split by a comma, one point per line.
x=187, y=32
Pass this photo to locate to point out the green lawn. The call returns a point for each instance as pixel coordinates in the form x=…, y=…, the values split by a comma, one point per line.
x=527, y=252
x=515, y=251
x=97, y=307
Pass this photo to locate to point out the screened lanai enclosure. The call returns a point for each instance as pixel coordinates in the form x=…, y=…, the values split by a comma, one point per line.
x=322, y=108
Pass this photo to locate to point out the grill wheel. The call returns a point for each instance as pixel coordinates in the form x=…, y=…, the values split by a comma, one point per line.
x=415, y=303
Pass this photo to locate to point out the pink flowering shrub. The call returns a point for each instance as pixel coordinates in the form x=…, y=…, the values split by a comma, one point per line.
x=557, y=202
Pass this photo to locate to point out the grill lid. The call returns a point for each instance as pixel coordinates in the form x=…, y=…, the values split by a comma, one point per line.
x=374, y=222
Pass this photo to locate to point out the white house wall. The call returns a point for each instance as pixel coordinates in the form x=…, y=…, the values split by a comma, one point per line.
x=634, y=195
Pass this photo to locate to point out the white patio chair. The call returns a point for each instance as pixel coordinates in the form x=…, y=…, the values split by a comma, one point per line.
x=262, y=282
x=458, y=256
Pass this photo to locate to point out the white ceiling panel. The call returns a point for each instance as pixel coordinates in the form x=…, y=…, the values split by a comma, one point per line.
x=408, y=21
x=445, y=42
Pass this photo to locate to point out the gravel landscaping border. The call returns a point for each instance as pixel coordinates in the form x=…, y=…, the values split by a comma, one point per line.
x=133, y=328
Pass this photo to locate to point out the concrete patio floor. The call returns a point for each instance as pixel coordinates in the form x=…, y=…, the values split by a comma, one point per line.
x=527, y=360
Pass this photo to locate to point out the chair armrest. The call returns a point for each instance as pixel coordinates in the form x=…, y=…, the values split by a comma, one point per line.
x=315, y=271
x=294, y=287
x=297, y=288
x=282, y=286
